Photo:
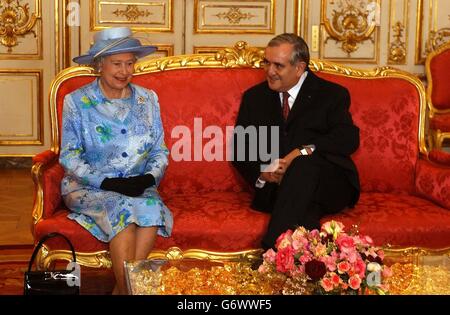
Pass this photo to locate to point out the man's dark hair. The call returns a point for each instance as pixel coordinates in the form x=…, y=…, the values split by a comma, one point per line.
x=301, y=50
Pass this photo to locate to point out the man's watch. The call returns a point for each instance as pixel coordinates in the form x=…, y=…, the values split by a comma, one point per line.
x=303, y=151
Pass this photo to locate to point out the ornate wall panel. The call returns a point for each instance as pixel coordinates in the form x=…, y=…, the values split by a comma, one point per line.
x=23, y=108
x=148, y=15
x=433, y=27
x=350, y=30
x=219, y=16
x=20, y=29
x=398, y=32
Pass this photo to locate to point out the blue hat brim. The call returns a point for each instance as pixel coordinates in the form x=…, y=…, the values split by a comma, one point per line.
x=138, y=51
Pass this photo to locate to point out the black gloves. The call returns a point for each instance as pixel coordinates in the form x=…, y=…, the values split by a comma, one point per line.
x=129, y=186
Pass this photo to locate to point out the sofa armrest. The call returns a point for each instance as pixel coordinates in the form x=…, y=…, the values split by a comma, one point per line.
x=47, y=174
x=433, y=182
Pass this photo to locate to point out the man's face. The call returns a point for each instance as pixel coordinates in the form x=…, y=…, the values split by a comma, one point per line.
x=280, y=73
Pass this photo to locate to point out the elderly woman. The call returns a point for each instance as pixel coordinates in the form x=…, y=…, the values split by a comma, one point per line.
x=113, y=153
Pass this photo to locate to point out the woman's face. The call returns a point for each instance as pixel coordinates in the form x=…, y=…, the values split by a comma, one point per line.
x=116, y=72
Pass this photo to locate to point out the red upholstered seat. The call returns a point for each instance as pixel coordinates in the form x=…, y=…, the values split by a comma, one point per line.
x=224, y=216
x=405, y=198
x=398, y=219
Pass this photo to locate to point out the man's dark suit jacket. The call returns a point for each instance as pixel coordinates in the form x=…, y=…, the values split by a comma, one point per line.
x=319, y=116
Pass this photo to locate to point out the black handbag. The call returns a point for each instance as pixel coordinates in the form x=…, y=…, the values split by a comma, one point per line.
x=56, y=282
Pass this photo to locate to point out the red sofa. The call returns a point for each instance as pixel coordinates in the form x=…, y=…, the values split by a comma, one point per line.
x=405, y=199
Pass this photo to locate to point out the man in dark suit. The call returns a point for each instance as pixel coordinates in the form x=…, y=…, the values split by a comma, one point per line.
x=315, y=175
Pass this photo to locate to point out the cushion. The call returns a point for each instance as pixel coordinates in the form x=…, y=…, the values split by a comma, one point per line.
x=402, y=220
x=211, y=221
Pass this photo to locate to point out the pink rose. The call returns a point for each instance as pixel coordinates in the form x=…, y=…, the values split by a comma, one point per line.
x=326, y=284
x=285, y=260
x=335, y=279
x=270, y=256
x=345, y=243
x=284, y=240
x=343, y=267
x=354, y=282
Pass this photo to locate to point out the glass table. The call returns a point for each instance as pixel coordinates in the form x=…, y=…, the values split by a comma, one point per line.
x=414, y=271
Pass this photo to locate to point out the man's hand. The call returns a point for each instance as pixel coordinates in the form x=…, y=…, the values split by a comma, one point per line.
x=275, y=171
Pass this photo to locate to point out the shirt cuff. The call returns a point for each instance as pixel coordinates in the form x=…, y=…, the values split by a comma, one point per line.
x=260, y=183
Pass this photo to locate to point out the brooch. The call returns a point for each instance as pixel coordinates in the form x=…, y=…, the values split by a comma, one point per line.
x=141, y=100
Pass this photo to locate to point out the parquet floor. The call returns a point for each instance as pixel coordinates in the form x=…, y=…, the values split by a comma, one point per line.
x=16, y=202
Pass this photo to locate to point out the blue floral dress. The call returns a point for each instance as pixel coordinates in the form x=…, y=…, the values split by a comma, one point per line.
x=112, y=138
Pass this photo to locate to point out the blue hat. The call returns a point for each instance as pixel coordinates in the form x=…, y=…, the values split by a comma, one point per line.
x=111, y=41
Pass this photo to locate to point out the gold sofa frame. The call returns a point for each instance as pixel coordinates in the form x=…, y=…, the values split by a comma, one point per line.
x=241, y=55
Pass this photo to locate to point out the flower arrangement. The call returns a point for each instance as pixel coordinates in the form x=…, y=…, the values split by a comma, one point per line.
x=333, y=261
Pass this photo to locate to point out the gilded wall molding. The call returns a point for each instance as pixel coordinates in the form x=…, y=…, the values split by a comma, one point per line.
x=17, y=20
x=219, y=16
x=398, y=32
x=152, y=16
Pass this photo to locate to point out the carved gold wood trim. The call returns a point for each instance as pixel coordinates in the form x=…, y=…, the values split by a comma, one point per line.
x=239, y=56
x=132, y=14
x=398, y=32
x=437, y=39
x=38, y=74
x=349, y=25
x=46, y=257
x=432, y=109
x=101, y=259
x=16, y=21
x=234, y=14
x=175, y=253
x=436, y=138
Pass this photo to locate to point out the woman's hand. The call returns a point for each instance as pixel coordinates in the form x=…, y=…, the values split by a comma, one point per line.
x=128, y=186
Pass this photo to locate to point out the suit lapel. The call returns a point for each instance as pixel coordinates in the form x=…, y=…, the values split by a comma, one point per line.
x=305, y=95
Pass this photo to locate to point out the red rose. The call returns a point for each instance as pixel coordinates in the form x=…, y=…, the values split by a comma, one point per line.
x=315, y=269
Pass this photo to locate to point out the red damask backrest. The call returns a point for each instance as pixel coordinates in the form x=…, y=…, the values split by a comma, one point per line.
x=386, y=109
x=387, y=112
x=438, y=76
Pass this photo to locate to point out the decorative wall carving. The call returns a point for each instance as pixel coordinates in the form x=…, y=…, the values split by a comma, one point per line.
x=398, y=31
x=149, y=15
x=132, y=13
x=221, y=16
x=350, y=25
x=350, y=31
x=397, y=49
x=17, y=20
